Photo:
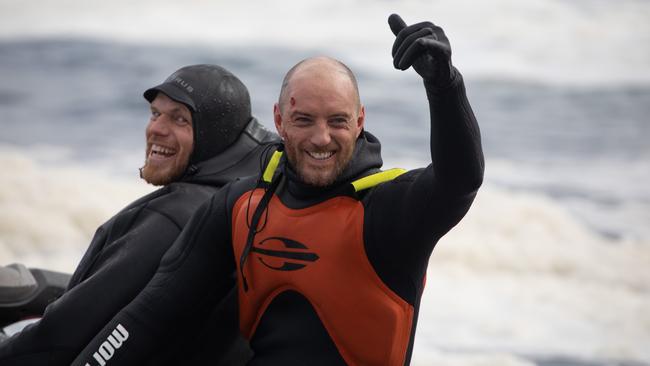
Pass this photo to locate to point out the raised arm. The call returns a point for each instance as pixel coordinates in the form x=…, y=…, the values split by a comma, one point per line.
x=406, y=217
x=455, y=141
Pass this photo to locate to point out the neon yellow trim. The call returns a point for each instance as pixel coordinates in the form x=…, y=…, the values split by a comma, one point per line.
x=273, y=164
x=377, y=178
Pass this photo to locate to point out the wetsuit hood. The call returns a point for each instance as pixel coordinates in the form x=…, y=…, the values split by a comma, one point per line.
x=219, y=103
x=227, y=166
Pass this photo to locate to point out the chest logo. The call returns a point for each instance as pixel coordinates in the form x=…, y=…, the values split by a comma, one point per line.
x=282, y=254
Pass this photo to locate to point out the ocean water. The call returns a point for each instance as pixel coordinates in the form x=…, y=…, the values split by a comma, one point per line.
x=550, y=267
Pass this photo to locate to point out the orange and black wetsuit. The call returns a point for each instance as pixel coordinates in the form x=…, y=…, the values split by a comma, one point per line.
x=329, y=276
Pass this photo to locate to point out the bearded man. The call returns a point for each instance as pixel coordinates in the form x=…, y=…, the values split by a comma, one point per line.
x=200, y=136
x=330, y=251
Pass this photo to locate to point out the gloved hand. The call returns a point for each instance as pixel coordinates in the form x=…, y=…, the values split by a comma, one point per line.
x=425, y=47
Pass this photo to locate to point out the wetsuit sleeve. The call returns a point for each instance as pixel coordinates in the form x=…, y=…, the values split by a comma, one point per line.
x=194, y=274
x=406, y=217
x=71, y=321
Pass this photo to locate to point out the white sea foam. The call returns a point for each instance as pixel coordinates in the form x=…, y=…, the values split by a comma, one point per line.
x=574, y=42
x=610, y=195
x=435, y=357
x=519, y=276
x=523, y=274
x=520, y=273
x=49, y=209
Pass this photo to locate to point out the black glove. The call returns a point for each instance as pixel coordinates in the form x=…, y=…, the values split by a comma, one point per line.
x=425, y=47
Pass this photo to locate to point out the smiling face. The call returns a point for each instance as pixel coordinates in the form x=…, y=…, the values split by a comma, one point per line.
x=319, y=117
x=170, y=141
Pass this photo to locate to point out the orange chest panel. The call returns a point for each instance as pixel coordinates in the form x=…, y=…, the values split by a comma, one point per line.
x=319, y=252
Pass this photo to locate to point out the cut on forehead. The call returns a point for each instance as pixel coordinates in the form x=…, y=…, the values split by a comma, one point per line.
x=315, y=64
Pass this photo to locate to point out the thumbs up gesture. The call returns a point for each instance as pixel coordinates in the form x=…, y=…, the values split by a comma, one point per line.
x=425, y=47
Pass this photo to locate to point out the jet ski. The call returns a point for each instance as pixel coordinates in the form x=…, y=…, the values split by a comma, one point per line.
x=24, y=295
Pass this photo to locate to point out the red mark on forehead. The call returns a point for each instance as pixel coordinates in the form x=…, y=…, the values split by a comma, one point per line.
x=292, y=101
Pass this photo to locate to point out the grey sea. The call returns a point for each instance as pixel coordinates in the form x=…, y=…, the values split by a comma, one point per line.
x=551, y=266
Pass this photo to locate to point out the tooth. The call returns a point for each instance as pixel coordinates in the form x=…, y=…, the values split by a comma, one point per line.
x=321, y=155
x=162, y=150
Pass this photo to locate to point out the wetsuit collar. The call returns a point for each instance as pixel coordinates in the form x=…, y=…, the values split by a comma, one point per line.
x=222, y=168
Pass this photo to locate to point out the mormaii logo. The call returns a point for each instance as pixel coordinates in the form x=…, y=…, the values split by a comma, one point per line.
x=295, y=251
x=107, y=348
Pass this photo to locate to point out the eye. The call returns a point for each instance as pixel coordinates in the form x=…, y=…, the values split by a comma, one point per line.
x=338, y=121
x=302, y=120
x=181, y=120
x=155, y=114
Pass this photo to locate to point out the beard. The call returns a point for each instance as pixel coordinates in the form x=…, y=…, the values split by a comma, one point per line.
x=162, y=176
x=317, y=176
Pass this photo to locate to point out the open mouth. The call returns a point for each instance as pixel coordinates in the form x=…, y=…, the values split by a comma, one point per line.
x=322, y=155
x=161, y=152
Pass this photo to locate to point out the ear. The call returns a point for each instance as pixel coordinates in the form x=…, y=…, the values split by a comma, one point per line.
x=277, y=118
x=361, y=119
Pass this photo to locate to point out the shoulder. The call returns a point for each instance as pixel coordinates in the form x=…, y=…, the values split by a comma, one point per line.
x=178, y=201
x=393, y=188
x=222, y=200
x=145, y=227
x=239, y=187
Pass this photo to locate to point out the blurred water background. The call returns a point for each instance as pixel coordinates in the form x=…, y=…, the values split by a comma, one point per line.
x=552, y=264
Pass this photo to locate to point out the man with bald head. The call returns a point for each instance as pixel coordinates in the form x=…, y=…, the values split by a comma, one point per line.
x=324, y=89
x=330, y=251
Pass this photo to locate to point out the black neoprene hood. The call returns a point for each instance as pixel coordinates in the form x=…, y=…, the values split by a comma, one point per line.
x=219, y=102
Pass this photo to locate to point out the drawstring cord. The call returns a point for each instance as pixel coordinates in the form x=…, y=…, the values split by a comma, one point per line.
x=252, y=231
x=260, y=180
x=262, y=208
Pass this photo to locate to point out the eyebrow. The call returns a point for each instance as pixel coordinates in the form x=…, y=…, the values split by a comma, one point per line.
x=299, y=113
x=305, y=114
x=344, y=115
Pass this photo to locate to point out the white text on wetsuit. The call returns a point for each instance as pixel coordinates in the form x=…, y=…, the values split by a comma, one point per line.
x=107, y=348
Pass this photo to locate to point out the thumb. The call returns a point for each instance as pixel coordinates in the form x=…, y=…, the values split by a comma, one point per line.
x=396, y=23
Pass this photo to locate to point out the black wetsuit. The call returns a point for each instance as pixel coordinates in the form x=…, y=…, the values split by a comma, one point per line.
x=123, y=256
x=403, y=220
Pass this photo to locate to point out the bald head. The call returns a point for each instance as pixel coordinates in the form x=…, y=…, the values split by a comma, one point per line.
x=319, y=67
x=319, y=118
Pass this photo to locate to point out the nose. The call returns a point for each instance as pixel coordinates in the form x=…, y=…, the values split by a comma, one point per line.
x=320, y=134
x=158, y=125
